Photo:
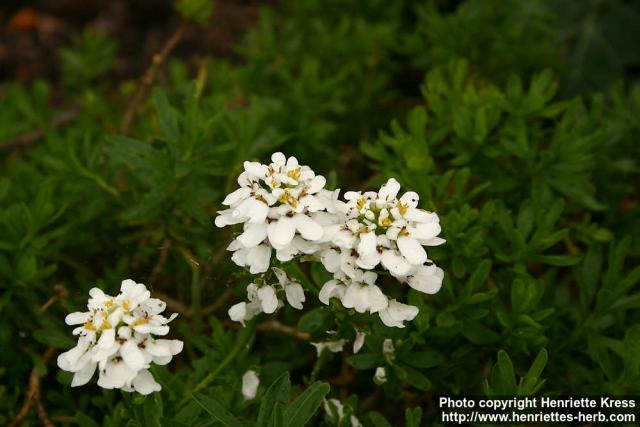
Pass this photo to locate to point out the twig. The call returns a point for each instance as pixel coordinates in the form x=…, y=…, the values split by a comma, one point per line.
x=271, y=326
x=32, y=395
x=29, y=138
x=275, y=326
x=217, y=304
x=59, y=292
x=149, y=77
x=42, y=413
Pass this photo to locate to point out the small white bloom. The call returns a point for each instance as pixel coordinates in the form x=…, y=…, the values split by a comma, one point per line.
x=333, y=346
x=336, y=413
x=359, y=341
x=268, y=298
x=117, y=339
x=380, y=377
x=396, y=313
x=293, y=290
x=250, y=382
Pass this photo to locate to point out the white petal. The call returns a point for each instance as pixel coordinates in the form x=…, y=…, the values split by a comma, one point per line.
x=115, y=375
x=356, y=297
x=418, y=215
x=255, y=170
x=282, y=277
x=410, y=199
x=412, y=250
x=359, y=341
x=427, y=280
x=281, y=232
x=144, y=383
x=330, y=290
x=308, y=228
x=278, y=158
x=316, y=184
x=250, y=382
x=77, y=318
x=259, y=259
x=253, y=234
x=132, y=356
x=389, y=190
x=236, y=196
x=258, y=212
x=107, y=338
x=295, y=295
x=268, y=299
x=377, y=300
x=83, y=376
x=238, y=312
x=127, y=286
x=395, y=263
x=424, y=231
x=436, y=241
x=367, y=244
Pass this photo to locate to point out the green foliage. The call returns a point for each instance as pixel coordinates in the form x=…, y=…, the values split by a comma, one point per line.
x=525, y=147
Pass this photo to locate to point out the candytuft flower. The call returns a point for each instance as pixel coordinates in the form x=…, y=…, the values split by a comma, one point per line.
x=117, y=337
x=278, y=205
x=250, y=383
x=284, y=207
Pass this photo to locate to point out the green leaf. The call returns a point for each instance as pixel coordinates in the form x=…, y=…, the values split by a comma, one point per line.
x=413, y=417
x=304, y=406
x=414, y=377
x=278, y=391
x=54, y=338
x=479, y=276
x=85, y=421
x=424, y=359
x=631, y=351
x=503, y=378
x=316, y=320
x=166, y=115
x=531, y=381
x=365, y=360
x=378, y=420
x=216, y=410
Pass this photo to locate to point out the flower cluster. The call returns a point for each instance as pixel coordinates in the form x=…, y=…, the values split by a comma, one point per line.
x=284, y=207
x=116, y=336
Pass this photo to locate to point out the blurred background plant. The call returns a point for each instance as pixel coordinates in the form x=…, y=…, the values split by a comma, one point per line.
x=516, y=121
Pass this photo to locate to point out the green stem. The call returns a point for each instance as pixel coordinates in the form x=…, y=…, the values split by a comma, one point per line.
x=242, y=340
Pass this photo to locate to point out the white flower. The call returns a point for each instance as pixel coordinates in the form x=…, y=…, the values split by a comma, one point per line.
x=359, y=341
x=384, y=229
x=333, y=346
x=396, y=313
x=333, y=288
x=277, y=205
x=261, y=299
x=426, y=278
x=293, y=290
x=117, y=338
x=380, y=377
x=359, y=293
x=336, y=412
x=250, y=382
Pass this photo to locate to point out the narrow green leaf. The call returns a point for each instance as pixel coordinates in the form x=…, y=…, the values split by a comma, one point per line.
x=278, y=391
x=304, y=406
x=216, y=410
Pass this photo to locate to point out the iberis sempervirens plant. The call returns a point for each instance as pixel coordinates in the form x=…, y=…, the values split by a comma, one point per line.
x=116, y=336
x=285, y=210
